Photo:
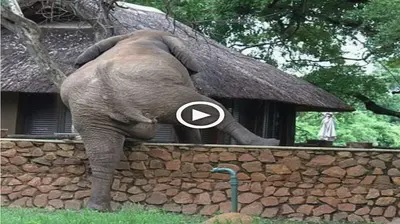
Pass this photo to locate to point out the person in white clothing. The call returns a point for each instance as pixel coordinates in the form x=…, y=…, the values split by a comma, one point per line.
x=328, y=127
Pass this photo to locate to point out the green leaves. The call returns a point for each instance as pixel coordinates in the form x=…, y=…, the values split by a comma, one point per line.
x=343, y=80
x=381, y=19
x=359, y=126
x=313, y=28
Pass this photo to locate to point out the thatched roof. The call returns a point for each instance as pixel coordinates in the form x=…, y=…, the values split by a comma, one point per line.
x=226, y=72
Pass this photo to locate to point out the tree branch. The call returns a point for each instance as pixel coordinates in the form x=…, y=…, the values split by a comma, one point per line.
x=345, y=22
x=271, y=5
x=372, y=106
x=253, y=45
x=29, y=32
x=364, y=58
x=96, y=13
x=303, y=12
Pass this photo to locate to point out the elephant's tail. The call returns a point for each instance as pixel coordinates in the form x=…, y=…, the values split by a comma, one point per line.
x=97, y=49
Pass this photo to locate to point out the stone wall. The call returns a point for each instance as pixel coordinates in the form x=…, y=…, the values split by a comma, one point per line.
x=298, y=184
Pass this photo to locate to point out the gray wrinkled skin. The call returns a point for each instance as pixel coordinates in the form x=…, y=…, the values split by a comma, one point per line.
x=126, y=85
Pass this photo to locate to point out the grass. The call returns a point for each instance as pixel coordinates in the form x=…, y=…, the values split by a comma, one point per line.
x=133, y=215
x=125, y=216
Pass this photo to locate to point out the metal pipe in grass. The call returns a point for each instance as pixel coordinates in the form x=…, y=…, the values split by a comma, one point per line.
x=234, y=185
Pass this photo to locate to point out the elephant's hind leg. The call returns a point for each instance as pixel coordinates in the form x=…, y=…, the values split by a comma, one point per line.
x=103, y=148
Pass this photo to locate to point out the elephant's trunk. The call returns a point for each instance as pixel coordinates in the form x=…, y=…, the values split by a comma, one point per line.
x=245, y=137
x=242, y=135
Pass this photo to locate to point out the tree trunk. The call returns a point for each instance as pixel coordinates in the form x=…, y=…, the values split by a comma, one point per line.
x=96, y=13
x=13, y=19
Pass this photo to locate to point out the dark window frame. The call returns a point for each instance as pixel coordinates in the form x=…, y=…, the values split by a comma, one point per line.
x=25, y=111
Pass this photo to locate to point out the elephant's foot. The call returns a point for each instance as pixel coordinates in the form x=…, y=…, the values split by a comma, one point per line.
x=265, y=141
x=101, y=207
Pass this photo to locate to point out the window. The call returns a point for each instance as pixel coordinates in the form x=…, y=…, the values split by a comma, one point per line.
x=43, y=114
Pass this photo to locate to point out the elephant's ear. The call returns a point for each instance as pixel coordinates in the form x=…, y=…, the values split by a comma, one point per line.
x=97, y=49
x=182, y=53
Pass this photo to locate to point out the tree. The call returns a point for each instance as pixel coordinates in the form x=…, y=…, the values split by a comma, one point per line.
x=309, y=37
x=13, y=19
x=360, y=126
x=94, y=12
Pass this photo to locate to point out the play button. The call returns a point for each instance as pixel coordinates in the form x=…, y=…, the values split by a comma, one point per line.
x=196, y=115
x=200, y=115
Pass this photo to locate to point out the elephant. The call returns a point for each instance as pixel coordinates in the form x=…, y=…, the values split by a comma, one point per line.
x=123, y=87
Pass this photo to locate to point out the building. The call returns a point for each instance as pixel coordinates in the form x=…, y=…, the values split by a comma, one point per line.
x=261, y=97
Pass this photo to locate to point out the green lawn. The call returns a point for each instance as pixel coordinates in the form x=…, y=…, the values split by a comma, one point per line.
x=134, y=215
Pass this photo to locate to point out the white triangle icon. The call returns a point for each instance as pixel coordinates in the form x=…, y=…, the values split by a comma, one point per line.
x=197, y=115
